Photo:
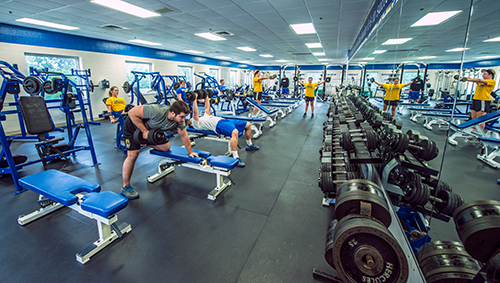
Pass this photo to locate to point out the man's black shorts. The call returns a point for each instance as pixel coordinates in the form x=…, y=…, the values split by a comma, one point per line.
x=391, y=102
x=257, y=95
x=480, y=105
x=309, y=98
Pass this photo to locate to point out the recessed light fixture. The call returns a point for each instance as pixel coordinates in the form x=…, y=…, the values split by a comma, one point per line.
x=246, y=48
x=493, y=39
x=314, y=45
x=210, y=36
x=193, y=51
x=266, y=55
x=46, y=24
x=303, y=28
x=457, y=49
x=319, y=53
x=144, y=42
x=281, y=61
x=426, y=57
x=435, y=18
x=223, y=57
x=369, y=58
x=125, y=7
x=323, y=59
x=246, y=62
x=395, y=41
x=379, y=51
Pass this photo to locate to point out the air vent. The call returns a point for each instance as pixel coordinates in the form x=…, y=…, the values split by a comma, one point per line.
x=163, y=10
x=300, y=54
x=112, y=27
x=223, y=33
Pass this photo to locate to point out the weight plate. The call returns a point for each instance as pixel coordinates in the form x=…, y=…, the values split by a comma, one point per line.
x=365, y=251
x=126, y=87
x=47, y=87
x=32, y=85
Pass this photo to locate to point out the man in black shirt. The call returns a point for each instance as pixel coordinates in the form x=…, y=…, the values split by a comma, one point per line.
x=416, y=88
x=285, y=82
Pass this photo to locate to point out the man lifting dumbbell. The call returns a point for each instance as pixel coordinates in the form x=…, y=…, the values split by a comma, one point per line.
x=146, y=118
x=310, y=86
x=222, y=126
x=257, y=88
x=392, y=94
x=482, y=95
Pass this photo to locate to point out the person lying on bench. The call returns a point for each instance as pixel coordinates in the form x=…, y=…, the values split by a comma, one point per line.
x=115, y=103
x=222, y=126
x=146, y=118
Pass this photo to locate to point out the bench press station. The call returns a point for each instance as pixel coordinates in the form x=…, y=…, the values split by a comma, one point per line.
x=269, y=115
x=58, y=189
x=465, y=130
x=220, y=165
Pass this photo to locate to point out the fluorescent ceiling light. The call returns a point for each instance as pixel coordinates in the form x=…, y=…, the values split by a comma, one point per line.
x=314, y=45
x=247, y=62
x=323, y=59
x=487, y=57
x=396, y=41
x=303, y=28
x=266, y=55
x=364, y=63
x=46, y=24
x=144, y=42
x=125, y=7
x=319, y=53
x=223, y=57
x=246, y=48
x=457, y=49
x=379, y=51
x=368, y=58
x=210, y=36
x=281, y=61
x=435, y=18
x=426, y=57
x=493, y=39
x=193, y=51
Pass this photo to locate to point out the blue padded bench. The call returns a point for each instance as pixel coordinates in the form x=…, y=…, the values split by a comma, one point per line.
x=58, y=189
x=416, y=113
x=465, y=130
x=441, y=119
x=210, y=135
x=257, y=123
x=269, y=115
x=220, y=165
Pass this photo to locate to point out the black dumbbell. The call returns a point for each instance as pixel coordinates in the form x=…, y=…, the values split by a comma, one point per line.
x=368, y=136
x=155, y=137
x=419, y=193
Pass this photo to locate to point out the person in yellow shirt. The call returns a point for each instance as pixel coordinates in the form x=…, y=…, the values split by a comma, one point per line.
x=310, y=86
x=115, y=103
x=257, y=89
x=482, y=96
x=392, y=92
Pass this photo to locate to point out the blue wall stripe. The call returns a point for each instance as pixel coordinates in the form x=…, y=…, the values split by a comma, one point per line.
x=36, y=37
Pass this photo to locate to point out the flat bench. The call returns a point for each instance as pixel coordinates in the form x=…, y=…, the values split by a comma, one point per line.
x=265, y=113
x=465, y=130
x=405, y=105
x=486, y=157
x=209, y=135
x=220, y=165
x=257, y=123
x=58, y=189
x=442, y=119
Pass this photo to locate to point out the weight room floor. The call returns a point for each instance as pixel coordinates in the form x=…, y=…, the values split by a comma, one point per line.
x=269, y=227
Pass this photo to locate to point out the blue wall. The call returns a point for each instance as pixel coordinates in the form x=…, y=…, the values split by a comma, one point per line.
x=36, y=37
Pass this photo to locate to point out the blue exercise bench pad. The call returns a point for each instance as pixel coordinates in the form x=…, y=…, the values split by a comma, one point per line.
x=448, y=115
x=104, y=204
x=430, y=110
x=265, y=110
x=478, y=120
x=492, y=140
x=58, y=186
x=181, y=154
x=414, y=104
x=249, y=119
x=222, y=161
x=205, y=132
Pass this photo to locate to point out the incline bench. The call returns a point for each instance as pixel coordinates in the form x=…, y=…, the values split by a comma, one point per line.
x=58, y=189
x=269, y=115
x=465, y=130
x=220, y=165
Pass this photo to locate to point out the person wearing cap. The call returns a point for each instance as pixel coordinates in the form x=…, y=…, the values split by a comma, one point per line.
x=482, y=95
x=257, y=89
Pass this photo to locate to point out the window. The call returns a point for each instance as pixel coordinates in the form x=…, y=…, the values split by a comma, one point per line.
x=408, y=76
x=186, y=72
x=370, y=75
x=316, y=77
x=144, y=83
x=214, y=73
x=61, y=64
x=233, y=78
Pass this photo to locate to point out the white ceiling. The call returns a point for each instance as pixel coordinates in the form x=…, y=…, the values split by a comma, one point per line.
x=260, y=24
x=435, y=40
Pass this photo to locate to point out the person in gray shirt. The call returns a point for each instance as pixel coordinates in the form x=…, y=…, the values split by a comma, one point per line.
x=227, y=127
x=146, y=118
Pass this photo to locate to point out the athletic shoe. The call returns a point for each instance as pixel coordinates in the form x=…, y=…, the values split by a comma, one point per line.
x=312, y=115
x=240, y=163
x=304, y=115
x=129, y=192
x=252, y=147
